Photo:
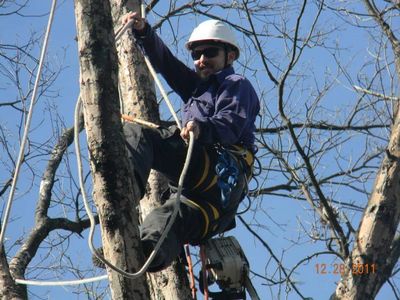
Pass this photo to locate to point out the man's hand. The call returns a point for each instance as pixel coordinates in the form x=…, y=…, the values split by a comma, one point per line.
x=192, y=126
x=138, y=22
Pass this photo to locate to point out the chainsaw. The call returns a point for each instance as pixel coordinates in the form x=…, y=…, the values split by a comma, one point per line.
x=226, y=265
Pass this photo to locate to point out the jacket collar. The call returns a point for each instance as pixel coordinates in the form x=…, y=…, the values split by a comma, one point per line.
x=221, y=75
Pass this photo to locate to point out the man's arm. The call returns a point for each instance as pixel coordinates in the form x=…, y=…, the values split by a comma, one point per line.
x=236, y=108
x=178, y=76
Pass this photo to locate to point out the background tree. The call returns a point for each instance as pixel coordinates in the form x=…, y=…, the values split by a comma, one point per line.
x=327, y=75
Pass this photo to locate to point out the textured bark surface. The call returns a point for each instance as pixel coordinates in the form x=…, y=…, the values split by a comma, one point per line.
x=137, y=90
x=115, y=193
x=138, y=98
x=8, y=289
x=375, y=240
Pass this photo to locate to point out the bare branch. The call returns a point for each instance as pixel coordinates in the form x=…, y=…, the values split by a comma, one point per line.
x=376, y=94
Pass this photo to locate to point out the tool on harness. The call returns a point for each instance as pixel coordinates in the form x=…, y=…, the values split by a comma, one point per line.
x=228, y=172
x=226, y=265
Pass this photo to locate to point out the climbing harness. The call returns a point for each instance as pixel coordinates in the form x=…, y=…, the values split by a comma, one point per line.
x=229, y=164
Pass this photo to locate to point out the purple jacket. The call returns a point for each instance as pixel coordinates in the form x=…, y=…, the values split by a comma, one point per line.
x=226, y=105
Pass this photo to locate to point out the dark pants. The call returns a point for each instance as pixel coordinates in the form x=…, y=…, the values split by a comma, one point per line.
x=201, y=213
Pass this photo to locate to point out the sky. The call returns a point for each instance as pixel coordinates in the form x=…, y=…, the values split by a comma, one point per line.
x=62, y=52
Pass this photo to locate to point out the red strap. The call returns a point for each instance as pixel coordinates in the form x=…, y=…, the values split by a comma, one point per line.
x=191, y=275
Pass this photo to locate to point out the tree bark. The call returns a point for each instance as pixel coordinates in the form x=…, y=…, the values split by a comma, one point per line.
x=139, y=100
x=115, y=192
x=9, y=290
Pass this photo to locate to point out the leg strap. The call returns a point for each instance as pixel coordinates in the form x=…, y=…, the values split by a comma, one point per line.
x=209, y=212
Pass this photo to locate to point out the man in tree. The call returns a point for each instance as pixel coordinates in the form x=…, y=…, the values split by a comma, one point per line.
x=220, y=108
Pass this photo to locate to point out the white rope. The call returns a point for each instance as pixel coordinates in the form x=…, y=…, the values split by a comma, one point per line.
x=61, y=283
x=27, y=125
x=162, y=91
x=153, y=73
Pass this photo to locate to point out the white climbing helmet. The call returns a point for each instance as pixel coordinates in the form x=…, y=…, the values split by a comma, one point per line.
x=213, y=30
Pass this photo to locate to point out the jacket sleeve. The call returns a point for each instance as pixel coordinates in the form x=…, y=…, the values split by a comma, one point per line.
x=178, y=76
x=236, y=108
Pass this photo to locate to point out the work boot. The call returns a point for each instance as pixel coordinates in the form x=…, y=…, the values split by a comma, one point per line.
x=156, y=265
x=159, y=260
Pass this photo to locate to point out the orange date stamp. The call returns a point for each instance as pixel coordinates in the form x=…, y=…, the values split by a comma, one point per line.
x=356, y=269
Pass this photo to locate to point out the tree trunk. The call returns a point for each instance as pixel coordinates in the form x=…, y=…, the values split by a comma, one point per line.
x=8, y=288
x=369, y=266
x=376, y=250
x=139, y=99
x=115, y=193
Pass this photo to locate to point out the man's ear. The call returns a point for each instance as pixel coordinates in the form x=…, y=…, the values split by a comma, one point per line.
x=231, y=57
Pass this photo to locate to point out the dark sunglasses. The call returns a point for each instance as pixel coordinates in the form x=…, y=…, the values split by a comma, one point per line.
x=207, y=52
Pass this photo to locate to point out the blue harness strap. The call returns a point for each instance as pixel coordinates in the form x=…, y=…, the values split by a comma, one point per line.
x=227, y=170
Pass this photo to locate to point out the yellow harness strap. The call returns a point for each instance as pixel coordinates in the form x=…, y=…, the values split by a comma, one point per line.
x=208, y=211
x=247, y=155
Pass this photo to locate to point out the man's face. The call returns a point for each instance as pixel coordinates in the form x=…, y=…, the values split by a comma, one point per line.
x=208, y=59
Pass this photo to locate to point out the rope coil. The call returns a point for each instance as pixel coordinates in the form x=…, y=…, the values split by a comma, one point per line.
x=91, y=216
